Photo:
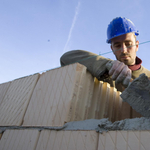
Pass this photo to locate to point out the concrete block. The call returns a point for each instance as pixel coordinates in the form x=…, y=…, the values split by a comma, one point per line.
x=112, y=105
x=1, y=133
x=71, y=93
x=82, y=100
x=16, y=99
x=118, y=106
x=19, y=140
x=103, y=96
x=126, y=111
x=94, y=110
x=61, y=95
x=3, y=89
x=67, y=140
x=65, y=94
x=124, y=140
x=135, y=114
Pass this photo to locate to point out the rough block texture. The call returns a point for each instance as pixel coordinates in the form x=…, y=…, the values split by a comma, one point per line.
x=57, y=95
x=67, y=140
x=61, y=95
x=74, y=140
x=19, y=140
x=3, y=89
x=71, y=93
x=124, y=140
x=16, y=99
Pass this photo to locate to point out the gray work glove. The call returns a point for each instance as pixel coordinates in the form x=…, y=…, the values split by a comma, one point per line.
x=119, y=72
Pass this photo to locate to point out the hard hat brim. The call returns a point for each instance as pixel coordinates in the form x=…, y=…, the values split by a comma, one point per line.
x=109, y=41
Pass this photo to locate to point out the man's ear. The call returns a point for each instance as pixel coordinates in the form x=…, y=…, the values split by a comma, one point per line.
x=137, y=45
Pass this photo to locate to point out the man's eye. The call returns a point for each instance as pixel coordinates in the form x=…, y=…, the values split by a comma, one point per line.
x=117, y=46
x=128, y=44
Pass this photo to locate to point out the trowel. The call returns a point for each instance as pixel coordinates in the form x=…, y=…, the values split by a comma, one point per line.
x=137, y=94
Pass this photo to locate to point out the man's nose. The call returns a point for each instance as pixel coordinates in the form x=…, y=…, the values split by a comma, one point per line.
x=123, y=48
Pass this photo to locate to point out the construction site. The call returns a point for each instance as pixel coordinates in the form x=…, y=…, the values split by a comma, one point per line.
x=74, y=75
x=66, y=108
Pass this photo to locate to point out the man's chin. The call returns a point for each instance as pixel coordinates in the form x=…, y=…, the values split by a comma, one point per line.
x=125, y=61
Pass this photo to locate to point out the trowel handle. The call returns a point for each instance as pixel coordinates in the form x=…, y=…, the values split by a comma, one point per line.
x=109, y=65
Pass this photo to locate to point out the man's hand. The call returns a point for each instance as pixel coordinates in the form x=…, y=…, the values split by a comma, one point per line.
x=119, y=72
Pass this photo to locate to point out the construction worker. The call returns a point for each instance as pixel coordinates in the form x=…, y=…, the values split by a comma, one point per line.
x=121, y=35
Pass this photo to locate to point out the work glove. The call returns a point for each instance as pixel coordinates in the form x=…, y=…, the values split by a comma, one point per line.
x=119, y=72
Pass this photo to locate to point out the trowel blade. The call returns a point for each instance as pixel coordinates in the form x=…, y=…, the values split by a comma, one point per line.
x=137, y=95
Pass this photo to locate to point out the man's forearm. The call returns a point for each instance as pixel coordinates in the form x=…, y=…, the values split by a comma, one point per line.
x=95, y=64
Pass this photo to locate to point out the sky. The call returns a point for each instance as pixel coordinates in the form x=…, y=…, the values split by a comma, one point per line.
x=34, y=34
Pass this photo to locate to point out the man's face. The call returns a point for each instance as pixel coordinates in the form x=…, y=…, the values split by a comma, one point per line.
x=125, y=47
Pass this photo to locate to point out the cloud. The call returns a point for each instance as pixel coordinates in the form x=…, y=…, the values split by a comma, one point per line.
x=72, y=26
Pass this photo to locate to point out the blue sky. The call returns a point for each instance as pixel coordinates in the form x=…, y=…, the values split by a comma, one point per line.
x=35, y=33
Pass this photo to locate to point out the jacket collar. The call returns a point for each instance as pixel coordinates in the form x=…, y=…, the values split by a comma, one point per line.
x=137, y=64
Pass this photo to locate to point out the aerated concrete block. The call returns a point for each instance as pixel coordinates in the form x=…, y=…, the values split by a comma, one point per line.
x=3, y=89
x=61, y=95
x=19, y=140
x=71, y=93
x=67, y=140
x=65, y=94
x=124, y=140
x=16, y=99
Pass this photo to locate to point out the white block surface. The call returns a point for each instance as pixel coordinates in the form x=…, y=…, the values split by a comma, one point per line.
x=15, y=102
x=124, y=140
x=3, y=89
x=53, y=97
x=67, y=140
x=19, y=140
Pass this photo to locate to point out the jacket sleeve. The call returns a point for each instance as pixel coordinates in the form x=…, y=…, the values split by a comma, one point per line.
x=95, y=64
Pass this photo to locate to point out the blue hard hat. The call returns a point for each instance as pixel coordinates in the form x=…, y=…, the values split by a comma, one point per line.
x=120, y=26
